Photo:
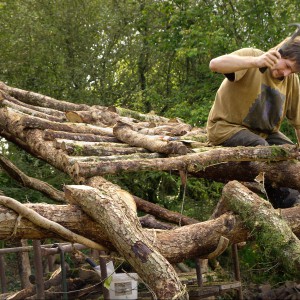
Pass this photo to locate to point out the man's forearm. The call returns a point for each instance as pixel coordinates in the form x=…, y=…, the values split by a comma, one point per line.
x=231, y=63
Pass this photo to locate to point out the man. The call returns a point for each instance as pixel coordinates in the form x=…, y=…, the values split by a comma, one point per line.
x=251, y=103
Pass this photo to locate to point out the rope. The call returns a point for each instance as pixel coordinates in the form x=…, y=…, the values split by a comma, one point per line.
x=181, y=293
x=17, y=224
x=183, y=196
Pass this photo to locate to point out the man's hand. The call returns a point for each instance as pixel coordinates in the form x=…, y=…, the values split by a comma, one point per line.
x=268, y=59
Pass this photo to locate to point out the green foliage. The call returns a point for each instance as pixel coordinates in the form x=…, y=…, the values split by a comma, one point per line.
x=32, y=167
x=258, y=266
x=196, y=199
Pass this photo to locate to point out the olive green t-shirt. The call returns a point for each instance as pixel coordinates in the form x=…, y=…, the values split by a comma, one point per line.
x=249, y=99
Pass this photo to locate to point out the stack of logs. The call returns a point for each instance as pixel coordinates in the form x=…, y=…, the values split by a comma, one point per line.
x=87, y=142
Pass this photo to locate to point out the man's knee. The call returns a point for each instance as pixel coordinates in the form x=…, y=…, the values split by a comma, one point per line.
x=245, y=138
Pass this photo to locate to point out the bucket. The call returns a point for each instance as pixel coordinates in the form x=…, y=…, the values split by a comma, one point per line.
x=123, y=286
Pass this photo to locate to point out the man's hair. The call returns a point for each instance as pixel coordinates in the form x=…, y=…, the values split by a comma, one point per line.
x=291, y=50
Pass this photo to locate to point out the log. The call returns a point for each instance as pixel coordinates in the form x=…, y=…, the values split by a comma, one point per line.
x=45, y=110
x=41, y=100
x=93, y=116
x=161, y=212
x=70, y=160
x=125, y=112
x=282, y=173
x=22, y=121
x=142, y=205
x=96, y=148
x=191, y=163
x=270, y=231
x=176, y=245
x=130, y=241
x=29, y=111
x=170, y=129
x=50, y=135
x=47, y=224
x=125, y=133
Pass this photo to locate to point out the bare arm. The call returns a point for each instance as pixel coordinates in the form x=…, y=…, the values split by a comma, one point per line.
x=231, y=63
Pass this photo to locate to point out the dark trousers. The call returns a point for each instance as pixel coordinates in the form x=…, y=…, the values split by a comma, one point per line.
x=279, y=197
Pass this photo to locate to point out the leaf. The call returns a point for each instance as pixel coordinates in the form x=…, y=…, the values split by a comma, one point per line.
x=107, y=282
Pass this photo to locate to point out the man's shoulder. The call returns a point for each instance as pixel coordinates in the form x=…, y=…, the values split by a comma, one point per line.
x=248, y=52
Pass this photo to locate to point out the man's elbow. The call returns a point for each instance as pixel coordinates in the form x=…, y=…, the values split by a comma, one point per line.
x=213, y=65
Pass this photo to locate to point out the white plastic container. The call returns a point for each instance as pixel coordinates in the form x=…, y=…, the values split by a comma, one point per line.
x=124, y=286
x=109, y=268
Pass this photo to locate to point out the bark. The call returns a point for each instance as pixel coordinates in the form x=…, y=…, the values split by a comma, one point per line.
x=96, y=148
x=268, y=228
x=192, y=163
x=125, y=133
x=50, y=135
x=136, y=115
x=282, y=173
x=130, y=240
x=41, y=100
x=39, y=220
x=29, y=111
x=170, y=129
x=45, y=110
x=94, y=116
x=30, y=182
